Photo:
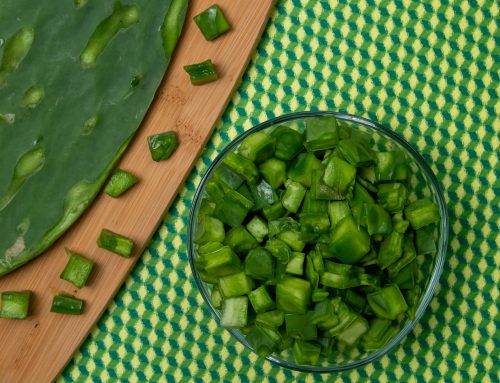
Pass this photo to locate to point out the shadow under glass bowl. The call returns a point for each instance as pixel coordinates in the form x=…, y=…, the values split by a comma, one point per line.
x=423, y=183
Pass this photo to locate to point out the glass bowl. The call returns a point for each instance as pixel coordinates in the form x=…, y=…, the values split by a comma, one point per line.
x=423, y=184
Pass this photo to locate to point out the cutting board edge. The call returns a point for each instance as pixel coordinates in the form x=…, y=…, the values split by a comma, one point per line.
x=144, y=247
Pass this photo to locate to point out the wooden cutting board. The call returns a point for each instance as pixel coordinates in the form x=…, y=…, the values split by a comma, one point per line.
x=37, y=349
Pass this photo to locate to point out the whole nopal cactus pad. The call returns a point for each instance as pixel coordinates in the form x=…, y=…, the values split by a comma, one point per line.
x=76, y=79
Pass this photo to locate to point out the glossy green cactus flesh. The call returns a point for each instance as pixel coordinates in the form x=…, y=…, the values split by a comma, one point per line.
x=76, y=78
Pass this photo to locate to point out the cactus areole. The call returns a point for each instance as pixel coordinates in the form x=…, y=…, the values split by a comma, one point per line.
x=76, y=78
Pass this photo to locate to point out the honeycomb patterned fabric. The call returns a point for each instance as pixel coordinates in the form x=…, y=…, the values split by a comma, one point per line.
x=430, y=71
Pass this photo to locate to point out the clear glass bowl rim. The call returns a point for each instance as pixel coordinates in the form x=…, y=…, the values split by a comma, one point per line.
x=438, y=265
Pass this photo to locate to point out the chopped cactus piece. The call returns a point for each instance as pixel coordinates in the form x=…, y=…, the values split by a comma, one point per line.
x=67, y=304
x=77, y=269
x=202, y=73
x=119, y=183
x=15, y=304
x=162, y=145
x=115, y=243
x=212, y=22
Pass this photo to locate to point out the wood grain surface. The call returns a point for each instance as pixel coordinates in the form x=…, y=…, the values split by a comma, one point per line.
x=37, y=349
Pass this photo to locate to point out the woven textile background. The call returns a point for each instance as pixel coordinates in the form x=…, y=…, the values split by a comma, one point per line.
x=428, y=70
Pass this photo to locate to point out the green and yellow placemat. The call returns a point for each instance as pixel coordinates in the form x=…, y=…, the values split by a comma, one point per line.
x=430, y=71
